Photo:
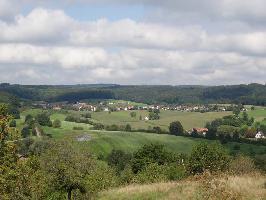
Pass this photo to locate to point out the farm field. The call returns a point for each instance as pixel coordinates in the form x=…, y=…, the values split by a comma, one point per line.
x=188, y=119
x=259, y=114
x=102, y=142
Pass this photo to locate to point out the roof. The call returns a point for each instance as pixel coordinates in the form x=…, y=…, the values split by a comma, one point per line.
x=200, y=130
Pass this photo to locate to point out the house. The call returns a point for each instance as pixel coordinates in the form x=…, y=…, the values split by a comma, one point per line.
x=260, y=135
x=200, y=131
x=106, y=109
x=57, y=108
x=146, y=118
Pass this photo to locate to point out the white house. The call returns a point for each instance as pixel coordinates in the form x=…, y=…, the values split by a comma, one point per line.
x=146, y=118
x=259, y=135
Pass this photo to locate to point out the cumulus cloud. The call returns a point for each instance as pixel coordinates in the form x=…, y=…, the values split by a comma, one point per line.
x=48, y=46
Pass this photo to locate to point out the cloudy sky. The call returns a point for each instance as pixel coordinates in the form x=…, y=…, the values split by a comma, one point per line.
x=206, y=42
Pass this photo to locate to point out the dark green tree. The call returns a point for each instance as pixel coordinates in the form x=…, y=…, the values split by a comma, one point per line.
x=210, y=157
x=176, y=128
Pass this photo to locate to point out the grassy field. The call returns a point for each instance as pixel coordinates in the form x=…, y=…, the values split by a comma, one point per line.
x=228, y=187
x=188, y=119
x=259, y=114
x=103, y=142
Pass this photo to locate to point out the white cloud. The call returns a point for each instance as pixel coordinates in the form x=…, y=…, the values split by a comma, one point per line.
x=48, y=46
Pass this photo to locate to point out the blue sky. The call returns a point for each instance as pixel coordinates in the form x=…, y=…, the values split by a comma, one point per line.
x=207, y=42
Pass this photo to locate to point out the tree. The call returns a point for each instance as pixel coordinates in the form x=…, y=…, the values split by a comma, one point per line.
x=154, y=116
x=150, y=153
x=57, y=123
x=28, y=117
x=176, y=128
x=8, y=157
x=236, y=111
x=210, y=157
x=25, y=132
x=157, y=129
x=14, y=111
x=13, y=123
x=245, y=116
x=44, y=119
x=118, y=159
x=66, y=168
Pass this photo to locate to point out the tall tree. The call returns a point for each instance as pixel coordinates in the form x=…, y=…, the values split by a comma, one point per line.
x=176, y=128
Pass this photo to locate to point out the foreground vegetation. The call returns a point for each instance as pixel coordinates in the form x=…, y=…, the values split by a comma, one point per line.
x=250, y=186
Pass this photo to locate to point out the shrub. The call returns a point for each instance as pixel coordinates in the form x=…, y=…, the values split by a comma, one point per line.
x=118, y=159
x=127, y=175
x=57, y=123
x=112, y=127
x=157, y=129
x=25, y=132
x=152, y=153
x=13, y=123
x=210, y=157
x=150, y=174
x=100, y=177
x=86, y=115
x=159, y=173
x=78, y=128
x=241, y=165
x=98, y=126
x=44, y=119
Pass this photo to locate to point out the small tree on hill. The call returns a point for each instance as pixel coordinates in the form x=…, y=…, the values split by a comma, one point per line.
x=210, y=157
x=57, y=123
x=176, y=128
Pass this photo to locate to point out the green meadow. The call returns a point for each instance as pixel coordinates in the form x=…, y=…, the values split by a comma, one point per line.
x=188, y=119
x=102, y=142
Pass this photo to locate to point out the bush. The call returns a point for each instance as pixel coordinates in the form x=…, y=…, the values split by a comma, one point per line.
x=159, y=173
x=152, y=153
x=118, y=159
x=112, y=127
x=57, y=123
x=25, y=132
x=13, y=123
x=101, y=177
x=44, y=119
x=241, y=165
x=210, y=157
x=86, y=115
x=78, y=128
x=98, y=126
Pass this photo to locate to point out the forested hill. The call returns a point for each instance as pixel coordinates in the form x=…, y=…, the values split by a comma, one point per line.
x=246, y=94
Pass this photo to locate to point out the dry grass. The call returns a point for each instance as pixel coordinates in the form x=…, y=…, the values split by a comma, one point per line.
x=203, y=187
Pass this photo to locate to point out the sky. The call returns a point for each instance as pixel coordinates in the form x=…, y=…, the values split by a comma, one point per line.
x=173, y=42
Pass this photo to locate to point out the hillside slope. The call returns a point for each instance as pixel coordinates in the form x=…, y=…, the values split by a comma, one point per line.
x=205, y=187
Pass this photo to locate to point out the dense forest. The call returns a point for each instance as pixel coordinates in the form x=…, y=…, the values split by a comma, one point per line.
x=246, y=94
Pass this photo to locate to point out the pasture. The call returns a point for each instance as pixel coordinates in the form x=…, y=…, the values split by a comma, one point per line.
x=188, y=119
x=102, y=142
